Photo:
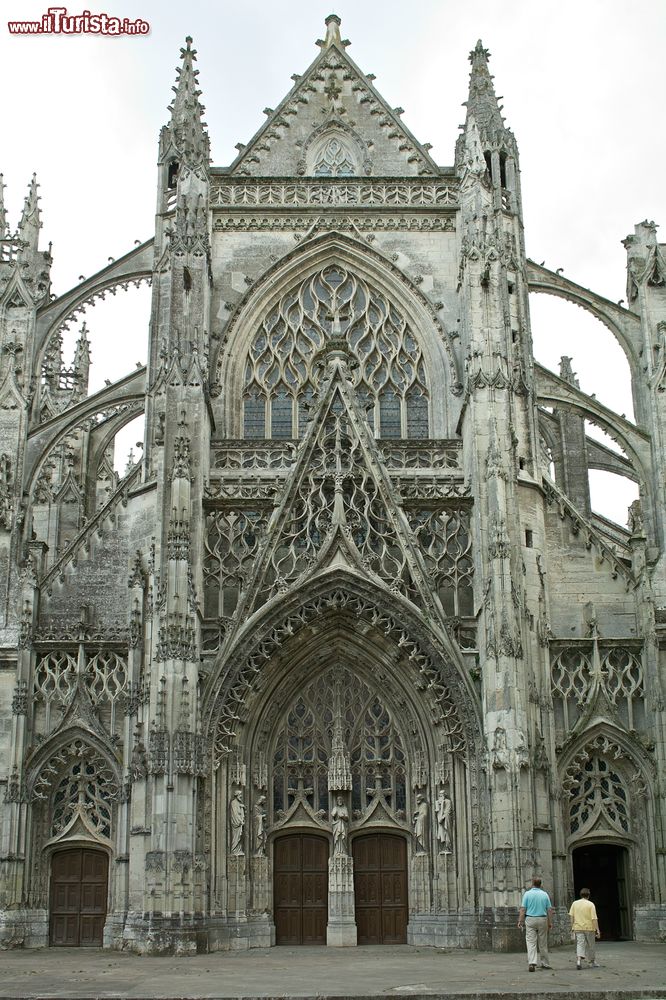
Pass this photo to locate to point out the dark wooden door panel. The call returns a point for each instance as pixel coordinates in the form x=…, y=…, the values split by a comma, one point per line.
x=380, y=889
x=301, y=889
x=79, y=881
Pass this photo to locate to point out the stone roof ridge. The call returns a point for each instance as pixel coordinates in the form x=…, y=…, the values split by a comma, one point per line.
x=333, y=55
x=189, y=129
x=482, y=103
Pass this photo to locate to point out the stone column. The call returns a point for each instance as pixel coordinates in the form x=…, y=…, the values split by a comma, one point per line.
x=341, y=929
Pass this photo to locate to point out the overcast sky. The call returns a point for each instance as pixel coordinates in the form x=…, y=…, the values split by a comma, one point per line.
x=582, y=87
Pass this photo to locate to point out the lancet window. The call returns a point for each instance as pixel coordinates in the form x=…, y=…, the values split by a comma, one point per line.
x=281, y=370
x=303, y=744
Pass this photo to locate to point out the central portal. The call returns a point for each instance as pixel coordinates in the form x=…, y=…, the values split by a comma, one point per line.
x=301, y=889
x=380, y=888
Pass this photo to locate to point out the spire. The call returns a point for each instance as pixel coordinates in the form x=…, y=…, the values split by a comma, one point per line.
x=30, y=224
x=333, y=23
x=3, y=214
x=482, y=103
x=188, y=129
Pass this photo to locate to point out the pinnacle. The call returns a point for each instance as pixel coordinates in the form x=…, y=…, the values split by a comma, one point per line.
x=30, y=224
x=482, y=103
x=186, y=109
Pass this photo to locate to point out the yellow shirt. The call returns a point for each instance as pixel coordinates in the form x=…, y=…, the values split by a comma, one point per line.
x=583, y=915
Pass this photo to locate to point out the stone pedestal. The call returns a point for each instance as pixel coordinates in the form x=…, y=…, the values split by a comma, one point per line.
x=237, y=903
x=341, y=929
x=260, y=882
x=421, y=901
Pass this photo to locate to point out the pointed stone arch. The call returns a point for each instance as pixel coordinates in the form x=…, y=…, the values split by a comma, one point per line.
x=608, y=796
x=430, y=659
x=73, y=787
x=136, y=266
x=385, y=650
x=316, y=142
x=622, y=323
x=310, y=257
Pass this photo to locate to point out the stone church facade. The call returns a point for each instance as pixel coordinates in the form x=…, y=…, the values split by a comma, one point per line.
x=346, y=656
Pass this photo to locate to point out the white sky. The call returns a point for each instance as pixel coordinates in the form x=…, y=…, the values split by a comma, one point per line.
x=582, y=84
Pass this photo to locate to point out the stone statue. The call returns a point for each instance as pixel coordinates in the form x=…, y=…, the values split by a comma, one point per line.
x=260, y=826
x=500, y=754
x=340, y=821
x=444, y=811
x=237, y=822
x=421, y=824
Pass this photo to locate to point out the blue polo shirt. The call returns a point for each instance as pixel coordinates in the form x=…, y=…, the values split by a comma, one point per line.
x=536, y=903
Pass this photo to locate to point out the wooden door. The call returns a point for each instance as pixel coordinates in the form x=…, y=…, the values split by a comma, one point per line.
x=380, y=888
x=301, y=889
x=79, y=885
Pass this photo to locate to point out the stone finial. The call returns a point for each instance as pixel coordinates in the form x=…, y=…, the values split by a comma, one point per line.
x=479, y=54
x=333, y=37
x=567, y=372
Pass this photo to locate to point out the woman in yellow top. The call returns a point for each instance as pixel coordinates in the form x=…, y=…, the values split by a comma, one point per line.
x=585, y=926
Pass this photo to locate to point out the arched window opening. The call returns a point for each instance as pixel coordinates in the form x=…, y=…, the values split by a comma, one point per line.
x=335, y=160
x=502, y=161
x=172, y=176
x=281, y=373
x=598, y=797
x=338, y=703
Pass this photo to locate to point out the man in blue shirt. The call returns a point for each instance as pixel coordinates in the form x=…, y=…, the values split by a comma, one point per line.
x=536, y=916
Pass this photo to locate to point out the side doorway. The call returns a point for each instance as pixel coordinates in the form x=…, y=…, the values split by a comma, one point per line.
x=78, y=895
x=300, y=889
x=380, y=888
x=604, y=870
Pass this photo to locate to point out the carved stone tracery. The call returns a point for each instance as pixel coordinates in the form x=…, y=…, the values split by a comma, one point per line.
x=281, y=378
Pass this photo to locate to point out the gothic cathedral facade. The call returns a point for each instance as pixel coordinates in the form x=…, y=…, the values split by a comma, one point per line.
x=346, y=657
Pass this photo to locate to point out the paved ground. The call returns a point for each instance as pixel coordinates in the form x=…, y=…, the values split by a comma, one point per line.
x=628, y=970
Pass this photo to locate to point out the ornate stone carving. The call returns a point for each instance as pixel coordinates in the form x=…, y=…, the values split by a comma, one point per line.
x=20, y=698
x=444, y=813
x=247, y=193
x=340, y=825
x=421, y=820
x=236, y=822
x=259, y=826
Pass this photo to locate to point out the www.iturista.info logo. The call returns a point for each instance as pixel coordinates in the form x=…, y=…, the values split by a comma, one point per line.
x=57, y=21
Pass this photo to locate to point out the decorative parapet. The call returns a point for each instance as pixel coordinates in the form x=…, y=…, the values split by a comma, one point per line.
x=279, y=456
x=374, y=194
